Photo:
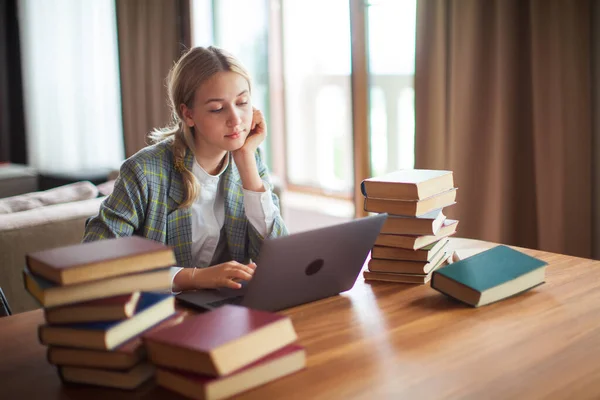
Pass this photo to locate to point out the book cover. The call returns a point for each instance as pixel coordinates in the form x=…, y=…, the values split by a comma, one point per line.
x=50, y=294
x=411, y=208
x=220, y=341
x=85, y=262
x=278, y=364
x=417, y=242
x=408, y=184
x=106, y=309
x=152, y=308
x=490, y=276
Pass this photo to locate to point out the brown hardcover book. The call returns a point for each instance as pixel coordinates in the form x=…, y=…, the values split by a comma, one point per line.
x=417, y=242
x=219, y=342
x=152, y=309
x=125, y=356
x=427, y=224
x=405, y=278
x=408, y=184
x=282, y=362
x=49, y=294
x=409, y=207
x=86, y=262
x=424, y=254
x=406, y=267
x=129, y=379
x=106, y=309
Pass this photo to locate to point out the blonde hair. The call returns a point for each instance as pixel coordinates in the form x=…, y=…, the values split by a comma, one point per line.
x=192, y=69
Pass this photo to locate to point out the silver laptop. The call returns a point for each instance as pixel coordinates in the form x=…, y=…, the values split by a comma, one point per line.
x=300, y=268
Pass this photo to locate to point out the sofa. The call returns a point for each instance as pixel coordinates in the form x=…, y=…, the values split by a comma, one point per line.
x=37, y=229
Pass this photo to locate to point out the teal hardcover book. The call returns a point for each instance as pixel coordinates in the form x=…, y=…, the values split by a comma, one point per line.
x=489, y=276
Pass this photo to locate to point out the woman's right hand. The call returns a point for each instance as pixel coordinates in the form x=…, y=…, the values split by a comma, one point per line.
x=223, y=275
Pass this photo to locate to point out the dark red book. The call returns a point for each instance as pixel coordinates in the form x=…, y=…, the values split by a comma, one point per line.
x=278, y=364
x=85, y=262
x=219, y=342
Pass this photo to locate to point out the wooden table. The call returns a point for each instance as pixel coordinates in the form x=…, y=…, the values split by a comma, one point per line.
x=385, y=340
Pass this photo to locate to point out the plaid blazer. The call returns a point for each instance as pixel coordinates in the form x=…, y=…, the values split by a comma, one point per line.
x=145, y=202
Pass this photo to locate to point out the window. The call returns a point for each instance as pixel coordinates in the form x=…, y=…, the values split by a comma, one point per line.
x=316, y=97
x=391, y=33
x=71, y=84
x=316, y=55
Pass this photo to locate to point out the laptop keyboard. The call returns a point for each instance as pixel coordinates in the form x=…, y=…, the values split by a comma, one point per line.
x=230, y=300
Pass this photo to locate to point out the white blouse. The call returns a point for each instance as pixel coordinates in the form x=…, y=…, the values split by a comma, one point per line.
x=208, y=216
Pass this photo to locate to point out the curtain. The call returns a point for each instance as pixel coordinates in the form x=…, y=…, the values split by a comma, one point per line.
x=71, y=84
x=503, y=99
x=596, y=130
x=150, y=32
x=12, y=124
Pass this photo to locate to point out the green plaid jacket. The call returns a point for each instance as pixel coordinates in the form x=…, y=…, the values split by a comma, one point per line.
x=146, y=196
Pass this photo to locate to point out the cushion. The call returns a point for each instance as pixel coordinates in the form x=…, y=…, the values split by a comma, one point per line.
x=106, y=188
x=77, y=191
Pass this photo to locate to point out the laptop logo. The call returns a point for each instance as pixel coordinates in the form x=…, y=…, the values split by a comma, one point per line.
x=314, y=267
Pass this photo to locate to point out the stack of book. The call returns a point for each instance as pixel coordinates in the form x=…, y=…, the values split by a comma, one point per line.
x=98, y=297
x=413, y=240
x=224, y=352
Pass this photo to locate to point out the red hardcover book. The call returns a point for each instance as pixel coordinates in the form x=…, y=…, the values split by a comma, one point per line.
x=280, y=363
x=219, y=342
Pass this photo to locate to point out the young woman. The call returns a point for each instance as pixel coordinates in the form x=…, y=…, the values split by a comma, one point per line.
x=202, y=188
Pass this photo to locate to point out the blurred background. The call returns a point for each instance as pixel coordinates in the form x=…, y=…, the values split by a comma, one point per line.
x=502, y=92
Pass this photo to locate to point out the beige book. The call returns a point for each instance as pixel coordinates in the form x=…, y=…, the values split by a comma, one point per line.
x=411, y=208
x=417, y=242
x=404, y=278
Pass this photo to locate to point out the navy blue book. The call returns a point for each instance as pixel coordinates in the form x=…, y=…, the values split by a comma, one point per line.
x=152, y=308
x=489, y=276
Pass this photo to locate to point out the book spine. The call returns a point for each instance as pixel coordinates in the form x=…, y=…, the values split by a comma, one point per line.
x=433, y=280
x=363, y=189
